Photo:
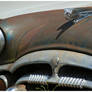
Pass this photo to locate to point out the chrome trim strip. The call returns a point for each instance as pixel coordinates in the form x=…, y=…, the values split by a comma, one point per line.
x=2, y=40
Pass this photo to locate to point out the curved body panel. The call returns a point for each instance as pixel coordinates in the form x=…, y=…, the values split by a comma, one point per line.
x=38, y=31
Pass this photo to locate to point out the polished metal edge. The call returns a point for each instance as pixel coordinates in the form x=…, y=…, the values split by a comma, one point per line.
x=4, y=78
x=2, y=40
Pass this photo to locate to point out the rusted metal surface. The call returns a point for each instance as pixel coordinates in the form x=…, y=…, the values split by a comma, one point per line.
x=37, y=31
x=55, y=58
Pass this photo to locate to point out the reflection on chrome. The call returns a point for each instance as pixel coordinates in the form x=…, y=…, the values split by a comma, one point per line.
x=77, y=14
x=2, y=41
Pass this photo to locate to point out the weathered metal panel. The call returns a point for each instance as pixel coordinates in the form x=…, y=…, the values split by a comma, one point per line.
x=36, y=31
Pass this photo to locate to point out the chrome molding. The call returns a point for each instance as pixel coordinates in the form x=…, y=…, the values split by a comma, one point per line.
x=2, y=41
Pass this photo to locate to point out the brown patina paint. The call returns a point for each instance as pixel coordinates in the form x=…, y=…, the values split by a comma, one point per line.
x=38, y=31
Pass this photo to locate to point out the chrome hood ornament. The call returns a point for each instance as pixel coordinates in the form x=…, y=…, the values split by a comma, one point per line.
x=73, y=15
x=77, y=14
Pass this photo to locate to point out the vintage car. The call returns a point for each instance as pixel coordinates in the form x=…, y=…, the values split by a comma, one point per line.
x=49, y=50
